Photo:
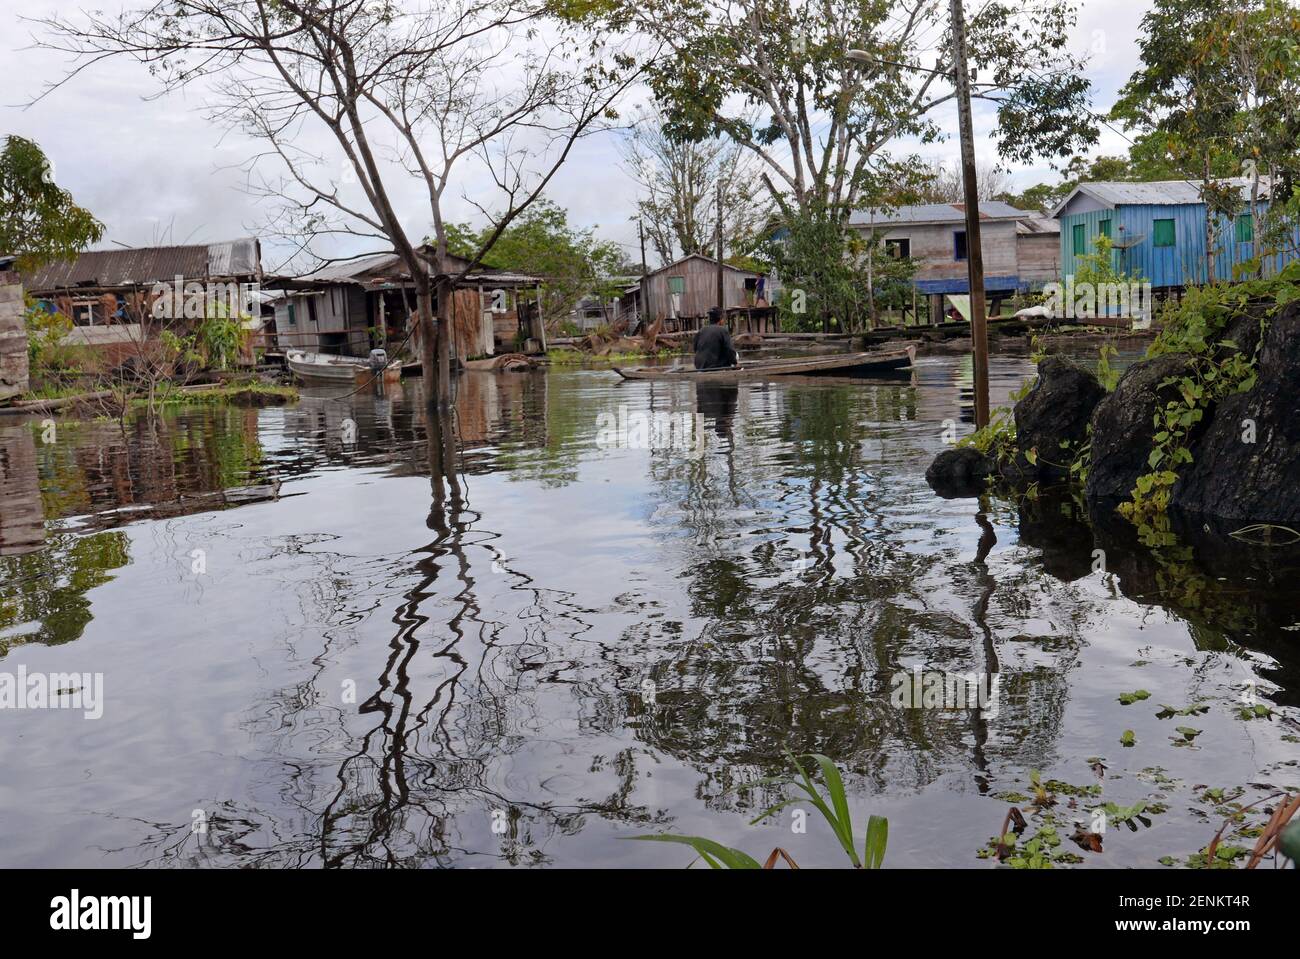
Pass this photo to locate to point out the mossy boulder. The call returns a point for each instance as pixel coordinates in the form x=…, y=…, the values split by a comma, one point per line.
x=1052, y=418
x=1123, y=425
x=1246, y=463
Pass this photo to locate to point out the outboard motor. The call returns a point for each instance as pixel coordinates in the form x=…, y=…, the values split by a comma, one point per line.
x=378, y=360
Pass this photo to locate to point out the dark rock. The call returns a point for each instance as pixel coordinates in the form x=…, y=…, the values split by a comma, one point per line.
x=958, y=472
x=1232, y=477
x=1242, y=333
x=1055, y=412
x=1124, y=422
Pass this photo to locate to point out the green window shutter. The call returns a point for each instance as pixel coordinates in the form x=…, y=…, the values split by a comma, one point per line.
x=1245, y=228
x=1080, y=239
x=676, y=284
x=1103, y=228
x=1163, y=233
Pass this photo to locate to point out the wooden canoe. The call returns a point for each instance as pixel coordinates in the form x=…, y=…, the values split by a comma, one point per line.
x=840, y=364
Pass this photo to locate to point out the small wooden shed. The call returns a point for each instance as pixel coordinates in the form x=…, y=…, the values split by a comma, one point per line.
x=688, y=288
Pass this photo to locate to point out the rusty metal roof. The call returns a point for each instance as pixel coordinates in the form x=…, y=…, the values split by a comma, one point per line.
x=145, y=266
x=381, y=269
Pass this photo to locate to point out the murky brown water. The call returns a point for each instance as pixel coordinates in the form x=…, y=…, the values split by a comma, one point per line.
x=300, y=657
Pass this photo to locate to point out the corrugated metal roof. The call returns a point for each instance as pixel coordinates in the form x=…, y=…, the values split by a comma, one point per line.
x=366, y=270
x=146, y=266
x=934, y=213
x=1155, y=192
x=700, y=256
x=350, y=271
x=235, y=258
x=1038, y=224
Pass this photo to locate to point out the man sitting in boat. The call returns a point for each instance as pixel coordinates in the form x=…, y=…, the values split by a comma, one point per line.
x=713, y=349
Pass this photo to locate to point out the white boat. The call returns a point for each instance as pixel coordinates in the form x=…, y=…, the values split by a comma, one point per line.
x=325, y=369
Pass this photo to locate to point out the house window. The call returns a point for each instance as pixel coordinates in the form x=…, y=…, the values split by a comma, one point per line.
x=900, y=249
x=676, y=284
x=1103, y=228
x=83, y=312
x=1162, y=233
x=293, y=318
x=959, y=245
x=1246, y=228
x=1079, y=235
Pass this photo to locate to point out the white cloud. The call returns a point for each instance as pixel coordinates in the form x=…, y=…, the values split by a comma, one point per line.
x=155, y=170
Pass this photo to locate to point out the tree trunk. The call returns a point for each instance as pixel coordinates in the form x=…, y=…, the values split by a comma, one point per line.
x=445, y=295
x=424, y=314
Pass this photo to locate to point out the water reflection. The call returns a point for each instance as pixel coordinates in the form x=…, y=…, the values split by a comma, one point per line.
x=22, y=520
x=488, y=639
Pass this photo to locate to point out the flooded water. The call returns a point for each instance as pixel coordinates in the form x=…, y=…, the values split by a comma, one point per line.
x=307, y=660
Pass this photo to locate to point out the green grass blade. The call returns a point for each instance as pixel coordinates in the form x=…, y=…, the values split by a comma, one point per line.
x=873, y=851
x=773, y=809
x=708, y=850
x=835, y=787
x=839, y=820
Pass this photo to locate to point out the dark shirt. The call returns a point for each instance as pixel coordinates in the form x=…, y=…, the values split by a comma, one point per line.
x=713, y=349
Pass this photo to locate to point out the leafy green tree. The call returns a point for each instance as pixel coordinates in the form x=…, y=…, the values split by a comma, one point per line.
x=39, y=221
x=826, y=123
x=572, y=263
x=832, y=277
x=1188, y=94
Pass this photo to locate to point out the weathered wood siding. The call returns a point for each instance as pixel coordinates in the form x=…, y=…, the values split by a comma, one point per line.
x=13, y=337
x=700, y=278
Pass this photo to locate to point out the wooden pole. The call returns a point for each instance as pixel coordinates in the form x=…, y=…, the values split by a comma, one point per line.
x=722, y=302
x=974, y=252
x=644, y=298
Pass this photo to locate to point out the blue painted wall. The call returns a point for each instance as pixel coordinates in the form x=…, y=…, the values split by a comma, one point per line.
x=1182, y=264
x=999, y=284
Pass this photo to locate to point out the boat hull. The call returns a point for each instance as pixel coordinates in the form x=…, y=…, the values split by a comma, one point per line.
x=839, y=365
x=313, y=370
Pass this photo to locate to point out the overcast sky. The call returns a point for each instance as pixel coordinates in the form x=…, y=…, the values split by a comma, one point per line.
x=156, y=171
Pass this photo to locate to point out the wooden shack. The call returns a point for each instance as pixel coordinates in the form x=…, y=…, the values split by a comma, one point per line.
x=1157, y=231
x=352, y=307
x=684, y=291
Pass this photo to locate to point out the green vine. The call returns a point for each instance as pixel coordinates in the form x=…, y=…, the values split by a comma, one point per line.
x=1218, y=368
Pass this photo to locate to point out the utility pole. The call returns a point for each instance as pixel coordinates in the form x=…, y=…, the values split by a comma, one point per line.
x=645, y=291
x=974, y=254
x=722, y=302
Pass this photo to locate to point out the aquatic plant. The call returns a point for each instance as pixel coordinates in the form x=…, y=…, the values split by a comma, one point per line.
x=833, y=806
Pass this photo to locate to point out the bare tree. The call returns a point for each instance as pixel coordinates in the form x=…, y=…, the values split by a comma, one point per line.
x=679, y=180
x=402, y=91
x=944, y=183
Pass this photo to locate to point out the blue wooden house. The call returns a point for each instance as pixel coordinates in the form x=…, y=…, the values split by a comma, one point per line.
x=1157, y=231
